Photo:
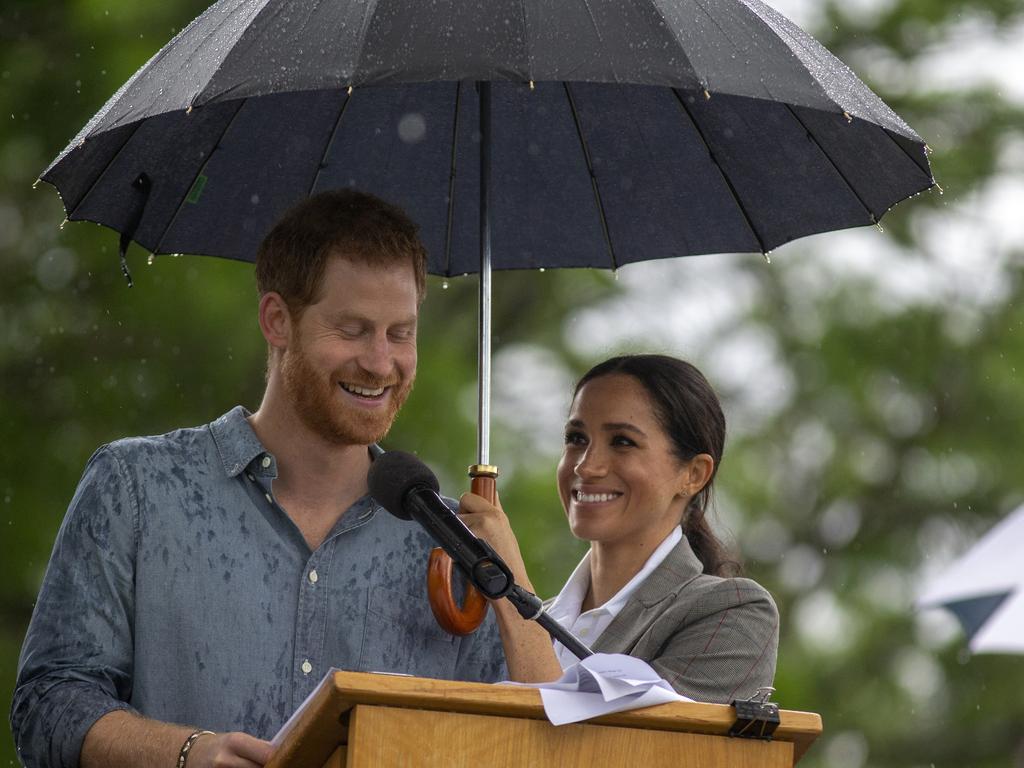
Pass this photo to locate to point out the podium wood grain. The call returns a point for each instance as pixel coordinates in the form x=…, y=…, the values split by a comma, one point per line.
x=409, y=721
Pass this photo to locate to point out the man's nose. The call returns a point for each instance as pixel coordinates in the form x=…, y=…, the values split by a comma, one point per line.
x=377, y=356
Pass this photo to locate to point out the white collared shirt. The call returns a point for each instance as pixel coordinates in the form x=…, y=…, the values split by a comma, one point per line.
x=565, y=608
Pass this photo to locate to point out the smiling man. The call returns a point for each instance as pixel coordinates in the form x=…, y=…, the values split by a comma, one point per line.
x=203, y=581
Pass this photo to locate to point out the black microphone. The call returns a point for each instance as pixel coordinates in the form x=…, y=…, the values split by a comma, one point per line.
x=406, y=488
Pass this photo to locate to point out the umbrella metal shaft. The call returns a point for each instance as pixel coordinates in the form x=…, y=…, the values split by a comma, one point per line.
x=483, y=421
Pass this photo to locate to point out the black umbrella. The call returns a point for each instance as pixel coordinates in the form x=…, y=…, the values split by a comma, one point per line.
x=571, y=133
x=746, y=134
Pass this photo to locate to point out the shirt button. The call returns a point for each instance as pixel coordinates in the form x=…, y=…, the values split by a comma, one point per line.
x=306, y=667
x=265, y=462
x=313, y=576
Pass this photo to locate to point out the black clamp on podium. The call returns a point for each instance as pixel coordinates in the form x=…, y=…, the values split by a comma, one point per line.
x=756, y=717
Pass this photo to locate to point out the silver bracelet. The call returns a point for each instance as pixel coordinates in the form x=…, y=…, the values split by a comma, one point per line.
x=189, y=743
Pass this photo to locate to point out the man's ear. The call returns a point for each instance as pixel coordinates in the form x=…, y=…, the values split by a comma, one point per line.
x=696, y=473
x=275, y=320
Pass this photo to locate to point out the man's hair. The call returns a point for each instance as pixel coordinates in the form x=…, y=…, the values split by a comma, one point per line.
x=347, y=223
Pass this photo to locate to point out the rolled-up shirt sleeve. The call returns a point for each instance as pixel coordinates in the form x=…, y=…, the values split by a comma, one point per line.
x=76, y=664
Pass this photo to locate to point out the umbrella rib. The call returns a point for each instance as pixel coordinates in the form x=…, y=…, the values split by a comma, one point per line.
x=593, y=176
x=812, y=137
x=926, y=169
x=528, y=64
x=181, y=203
x=451, y=182
x=101, y=174
x=330, y=143
x=721, y=171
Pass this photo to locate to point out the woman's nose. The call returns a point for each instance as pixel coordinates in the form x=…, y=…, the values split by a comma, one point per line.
x=591, y=464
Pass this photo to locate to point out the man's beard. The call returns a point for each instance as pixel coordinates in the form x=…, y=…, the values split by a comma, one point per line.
x=314, y=396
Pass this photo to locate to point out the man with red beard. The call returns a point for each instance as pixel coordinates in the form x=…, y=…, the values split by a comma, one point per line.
x=205, y=580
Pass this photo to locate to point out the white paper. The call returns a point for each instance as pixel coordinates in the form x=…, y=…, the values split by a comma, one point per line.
x=290, y=722
x=602, y=684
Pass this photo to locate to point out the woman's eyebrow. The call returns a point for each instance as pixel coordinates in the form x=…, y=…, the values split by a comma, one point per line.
x=609, y=426
x=623, y=426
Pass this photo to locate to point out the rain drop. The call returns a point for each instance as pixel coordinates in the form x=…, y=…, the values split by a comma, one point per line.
x=412, y=127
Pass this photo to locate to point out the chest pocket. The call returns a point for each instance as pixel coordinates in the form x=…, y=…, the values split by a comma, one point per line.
x=401, y=635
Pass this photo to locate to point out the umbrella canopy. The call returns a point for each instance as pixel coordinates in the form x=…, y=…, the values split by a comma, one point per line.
x=985, y=589
x=621, y=131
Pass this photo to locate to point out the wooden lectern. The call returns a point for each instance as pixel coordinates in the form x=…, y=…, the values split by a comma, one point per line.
x=358, y=720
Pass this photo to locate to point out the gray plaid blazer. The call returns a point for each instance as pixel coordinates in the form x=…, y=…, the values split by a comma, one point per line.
x=713, y=639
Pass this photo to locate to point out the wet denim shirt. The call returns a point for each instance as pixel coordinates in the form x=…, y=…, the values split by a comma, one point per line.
x=179, y=589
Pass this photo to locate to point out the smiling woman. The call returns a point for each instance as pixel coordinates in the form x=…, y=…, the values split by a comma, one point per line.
x=643, y=443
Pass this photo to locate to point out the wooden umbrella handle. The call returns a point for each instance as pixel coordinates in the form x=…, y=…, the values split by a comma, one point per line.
x=452, y=618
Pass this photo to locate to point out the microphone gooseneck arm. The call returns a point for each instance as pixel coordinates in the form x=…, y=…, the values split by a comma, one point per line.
x=531, y=608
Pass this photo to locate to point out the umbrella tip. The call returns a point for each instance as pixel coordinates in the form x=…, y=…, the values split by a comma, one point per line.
x=846, y=114
x=36, y=183
x=188, y=110
x=348, y=91
x=767, y=257
x=533, y=85
x=444, y=285
x=707, y=95
x=63, y=222
x=938, y=187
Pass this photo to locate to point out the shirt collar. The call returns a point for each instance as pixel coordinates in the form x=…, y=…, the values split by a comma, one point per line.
x=657, y=557
x=236, y=441
x=568, y=603
x=238, y=445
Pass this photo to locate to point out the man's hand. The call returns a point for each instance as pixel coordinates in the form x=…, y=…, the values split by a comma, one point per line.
x=125, y=740
x=229, y=750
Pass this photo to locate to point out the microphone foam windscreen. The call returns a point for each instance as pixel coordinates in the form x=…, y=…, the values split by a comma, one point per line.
x=393, y=474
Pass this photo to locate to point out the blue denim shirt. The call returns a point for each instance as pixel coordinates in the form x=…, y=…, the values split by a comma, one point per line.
x=179, y=589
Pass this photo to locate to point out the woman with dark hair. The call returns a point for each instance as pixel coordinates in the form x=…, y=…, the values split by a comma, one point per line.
x=643, y=443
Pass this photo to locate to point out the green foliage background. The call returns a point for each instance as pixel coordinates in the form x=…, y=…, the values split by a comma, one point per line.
x=84, y=360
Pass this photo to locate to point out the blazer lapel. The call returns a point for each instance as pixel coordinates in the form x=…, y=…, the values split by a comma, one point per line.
x=678, y=569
